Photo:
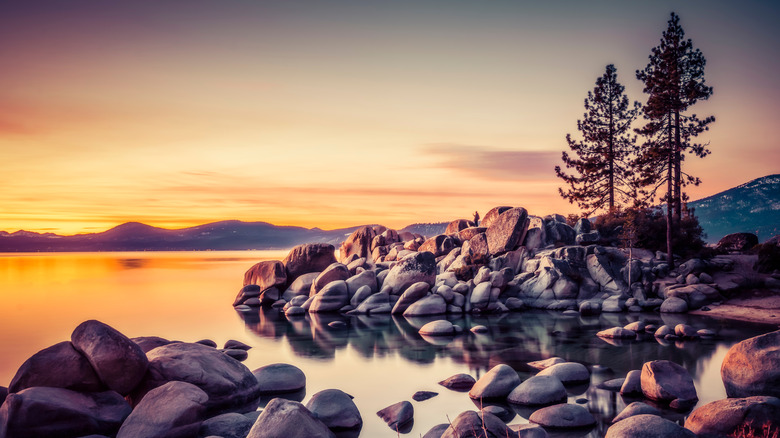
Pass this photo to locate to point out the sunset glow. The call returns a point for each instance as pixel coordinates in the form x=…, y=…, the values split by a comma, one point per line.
x=334, y=114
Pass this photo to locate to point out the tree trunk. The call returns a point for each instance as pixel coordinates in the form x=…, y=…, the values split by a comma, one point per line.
x=670, y=195
x=677, y=168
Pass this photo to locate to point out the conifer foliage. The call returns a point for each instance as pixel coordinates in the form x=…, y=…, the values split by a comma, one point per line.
x=601, y=160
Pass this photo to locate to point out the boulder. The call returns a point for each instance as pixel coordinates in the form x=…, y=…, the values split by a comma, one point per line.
x=172, y=410
x=226, y=381
x=335, y=409
x=411, y=295
x=307, y=258
x=674, y=305
x=357, y=244
x=288, y=419
x=736, y=417
x=423, y=395
x=57, y=412
x=230, y=425
x=695, y=295
x=467, y=234
x=459, y=382
x=492, y=215
x=583, y=225
x=439, y=245
x=441, y=327
x=546, y=363
x=605, y=271
x=617, y=333
x=496, y=383
x=334, y=272
x=538, y=390
x=636, y=408
x=58, y=366
x=300, y=286
x=739, y=242
x=507, y=231
x=472, y=424
x=246, y=295
x=279, y=378
x=267, y=274
x=374, y=304
x=360, y=295
x=567, y=372
x=752, y=367
x=397, y=415
x=429, y=305
x=148, y=343
x=647, y=426
x=415, y=268
x=365, y=278
x=563, y=416
x=476, y=249
x=119, y=362
x=665, y=382
x=632, y=385
x=331, y=298
x=457, y=225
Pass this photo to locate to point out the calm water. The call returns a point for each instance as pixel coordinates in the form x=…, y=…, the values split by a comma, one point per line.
x=378, y=360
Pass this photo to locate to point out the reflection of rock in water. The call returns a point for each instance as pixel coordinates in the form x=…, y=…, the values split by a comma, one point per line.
x=132, y=263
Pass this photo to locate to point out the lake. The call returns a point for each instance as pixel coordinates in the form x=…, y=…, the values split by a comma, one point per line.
x=379, y=360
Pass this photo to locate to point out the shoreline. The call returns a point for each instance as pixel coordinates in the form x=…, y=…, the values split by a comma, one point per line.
x=763, y=309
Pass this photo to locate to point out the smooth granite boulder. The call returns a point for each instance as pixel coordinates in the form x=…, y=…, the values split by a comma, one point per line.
x=467, y=423
x=441, y=327
x=752, y=367
x=567, y=372
x=397, y=415
x=279, y=378
x=507, y=231
x=617, y=333
x=119, y=362
x=496, y=383
x=410, y=296
x=288, y=419
x=563, y=416
x=438, y=245
x=226, y=381
x=229, y=425
x=736, y=417
x=459, y=382
x=334, y=272
x=647, y=426
x=674, y=305
x=173, y=410
x=307, y=258
x=57, y=412
x=335, y=409
x=636, y=408
x=58, y=366
x=665, y=381
x=365, y=278
x=358, y=244
x=266, y=274
x=538, y=390
x=148, y=343
x=428, y=305
x=632, y=385
x=374, y=304
x=414, y=268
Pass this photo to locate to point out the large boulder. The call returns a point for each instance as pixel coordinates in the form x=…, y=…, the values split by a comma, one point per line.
x=119, y=362
x=476, y=249
x=288, y=419
x=567, y=372
x=358, y=243
x=373, y=304
x=57, y=412
x=440, y=327
x=752, y=367
x=229, y=425
x=665, y=381
x=334, y=272
x=736, y=417
x=429, y=305
x=737, y=242
x=647, y=426
x=58, y=366
x=226, y=381
x=605, y=270
x=563, y=416
x=310, y=257
x=496, y=383
x=331, y=298
x=279, y=378
x=492, y=215
x=336, y=409
x=538, y=390
x=267, y=274
x=173, y=410
x=438, y=245
x=507, y=231
x=457, y=225
x=472, y=424
x=417, y=267
x=411, y=295
x=300, y=286
x=365, y=278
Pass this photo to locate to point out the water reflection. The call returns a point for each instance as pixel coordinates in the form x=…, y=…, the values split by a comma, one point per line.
x=516, y=339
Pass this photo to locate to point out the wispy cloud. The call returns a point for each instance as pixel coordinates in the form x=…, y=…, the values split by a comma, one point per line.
x=494, y=164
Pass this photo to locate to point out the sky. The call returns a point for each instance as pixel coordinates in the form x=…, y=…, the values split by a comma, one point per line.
x=339, y=113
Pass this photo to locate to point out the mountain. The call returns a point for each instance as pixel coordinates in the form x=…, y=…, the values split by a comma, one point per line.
x=433, y=229
x=753, y=207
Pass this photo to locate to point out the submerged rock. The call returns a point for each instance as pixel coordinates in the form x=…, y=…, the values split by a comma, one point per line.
x=752, y=367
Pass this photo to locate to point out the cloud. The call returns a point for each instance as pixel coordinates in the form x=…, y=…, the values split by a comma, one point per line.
x=495, y=164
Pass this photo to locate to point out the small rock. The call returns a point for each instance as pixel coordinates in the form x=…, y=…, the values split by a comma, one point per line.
x=538, y=390
x=423, y=395
x=636, y=408
x=567, y=372
x=279, y=378
x=335, y=409
x=564, y=416
x=496, y=383
x=459, y=382
x=647, y=426
x=397, y=415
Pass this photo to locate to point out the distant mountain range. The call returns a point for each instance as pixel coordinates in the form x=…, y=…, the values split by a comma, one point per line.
x=751, y=207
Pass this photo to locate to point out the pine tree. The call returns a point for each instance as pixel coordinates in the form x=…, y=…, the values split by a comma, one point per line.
x=674, y=81
x=601, y=159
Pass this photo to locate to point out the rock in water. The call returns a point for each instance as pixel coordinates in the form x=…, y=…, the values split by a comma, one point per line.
x=58, y=366
x=168, y=411
x=397, y=415
x=467, y=423
x=752, y=367
x=288, y=419
x=538, y=390
x=279, y=378
x=119, y=362
x=567, y=372
x=266, y=274
x=496, y=383
x=665, y=381
x=736, y=416
x=307, y=258
x=331, y=298
x=459, y=382
x=647, y=426
x=335, y=409
x=230, y=425
x=563, y=416
x=57, y=412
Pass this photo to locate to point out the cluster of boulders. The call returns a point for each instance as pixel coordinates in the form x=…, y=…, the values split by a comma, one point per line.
x=510, y=262
x=104, y=384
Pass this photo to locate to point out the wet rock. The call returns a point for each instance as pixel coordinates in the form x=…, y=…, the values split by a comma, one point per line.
x=279, y=378
x=647, y=426
x=436, y=431
x=172, y=410
x=538, y=390
x=752, y=367
x=119, y=362
x=58, y=366
x=307, y=258
x=636, y=408
x=546, y=363
x=466, y=423
x=418, y=267
x=335, y=409
x=289, y=419
x=423, y=395
x=440, y=327
x=736, y=417
x=567, y=372
x=496, y=383
x=230, y=425
x=459, y=382
x=239, y=355
x=397, y=415
x=665, y=381
x=563, y=416
x=57, y=412
x=236, y=345
x=684, y=331
x=428, y=305
x=632, y=385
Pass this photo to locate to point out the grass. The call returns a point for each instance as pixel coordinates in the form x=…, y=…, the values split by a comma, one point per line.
x=747, y=430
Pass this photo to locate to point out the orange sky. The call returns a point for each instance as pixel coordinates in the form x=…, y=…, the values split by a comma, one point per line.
x=340, y=113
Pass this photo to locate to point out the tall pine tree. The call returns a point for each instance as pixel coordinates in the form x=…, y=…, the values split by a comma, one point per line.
x=674, y=81
x=601, y=159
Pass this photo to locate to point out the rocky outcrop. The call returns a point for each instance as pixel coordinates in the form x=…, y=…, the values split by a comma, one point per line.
x=752, y=367
x=307, y=258
x=418, y=267
x=749, y=416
